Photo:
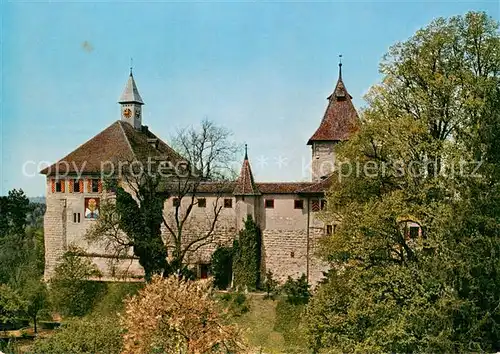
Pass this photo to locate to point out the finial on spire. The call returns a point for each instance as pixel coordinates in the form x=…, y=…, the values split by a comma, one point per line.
x=246, y=152
x=131, y=65
x=340, y=66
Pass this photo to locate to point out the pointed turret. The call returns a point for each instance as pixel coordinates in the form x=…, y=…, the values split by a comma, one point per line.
x=131, y=103
x=245, y=184
x=131, y=93
x=340, y=119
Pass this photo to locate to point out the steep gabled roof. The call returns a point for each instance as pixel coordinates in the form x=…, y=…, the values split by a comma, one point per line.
x=245, y=184
x=340, y=119
x=119, y=142
x=131, y=93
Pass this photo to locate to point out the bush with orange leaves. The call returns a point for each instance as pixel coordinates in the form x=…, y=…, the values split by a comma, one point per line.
x=171, y=315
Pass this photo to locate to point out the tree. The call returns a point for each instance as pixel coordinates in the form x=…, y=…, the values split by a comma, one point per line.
x=16, y=246
x=73, y=289
x=246, y=256
x=426, y=157
x=171, y=315
x=35, y=295
x=11, y=304
x=133, y=220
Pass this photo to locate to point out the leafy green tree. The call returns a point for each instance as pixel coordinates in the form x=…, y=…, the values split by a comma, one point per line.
x=74, y=289
x=246, y=256
x=34, y=294
x=427, y=157
x=11, y=304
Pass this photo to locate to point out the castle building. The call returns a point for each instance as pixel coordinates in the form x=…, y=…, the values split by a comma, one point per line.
x=286, y=212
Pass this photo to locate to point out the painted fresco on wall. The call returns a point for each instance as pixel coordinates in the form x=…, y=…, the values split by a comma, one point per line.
x=91, y=208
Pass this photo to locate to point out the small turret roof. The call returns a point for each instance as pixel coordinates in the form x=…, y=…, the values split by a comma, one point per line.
x=131, y=93
x=340, y=119
x=245, y=185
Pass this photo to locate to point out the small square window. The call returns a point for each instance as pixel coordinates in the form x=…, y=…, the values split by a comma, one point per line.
x=176, y=202
x=76, y=217
x=269, y=203
x=414, y=231
x=95, y=186
x=228, y=203
x=298, y=204
x=202, y=202
x=76, y=186
x=59, y=186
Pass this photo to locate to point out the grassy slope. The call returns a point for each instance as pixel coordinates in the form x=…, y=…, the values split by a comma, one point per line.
x=258, y=325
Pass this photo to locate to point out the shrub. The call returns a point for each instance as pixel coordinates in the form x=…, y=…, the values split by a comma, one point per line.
x=91, y=334
x=236, y=303
x=171, y=315
x=270, y=285
x=297, y=291
x=113, y=299
x=221, y=264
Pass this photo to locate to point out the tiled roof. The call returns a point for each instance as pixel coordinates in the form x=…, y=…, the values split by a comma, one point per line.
x=245, y=184
x=340, y=119
x=319, y=187
x=131, y=93
x=282, y=187
x=119, y=142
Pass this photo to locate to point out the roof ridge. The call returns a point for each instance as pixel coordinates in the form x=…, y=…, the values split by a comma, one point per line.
x=126, y=138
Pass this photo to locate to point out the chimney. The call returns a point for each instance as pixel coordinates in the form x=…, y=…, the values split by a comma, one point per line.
x=153, y=142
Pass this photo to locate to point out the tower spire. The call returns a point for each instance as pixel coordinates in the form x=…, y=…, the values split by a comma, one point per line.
x=245, y=185
x=340, y=66
x=131, y=65
x=131, y=102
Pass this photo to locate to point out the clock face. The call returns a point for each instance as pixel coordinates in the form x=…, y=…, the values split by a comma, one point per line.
x=127, y=112
x=138, y=113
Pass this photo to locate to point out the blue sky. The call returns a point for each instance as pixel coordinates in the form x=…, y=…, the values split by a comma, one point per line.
x=264, y=70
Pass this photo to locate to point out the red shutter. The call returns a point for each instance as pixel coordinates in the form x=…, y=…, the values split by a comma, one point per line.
x=80, y=184
x=53, y=185
x=70, y=186
x=63, y=185
x=89, y=186
x=99, y=186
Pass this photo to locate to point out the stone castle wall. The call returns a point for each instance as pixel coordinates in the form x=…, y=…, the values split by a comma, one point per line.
x=288, y=245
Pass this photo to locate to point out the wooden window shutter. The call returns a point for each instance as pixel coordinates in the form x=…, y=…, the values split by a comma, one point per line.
x=89, y=185
x=63, y=185
x=70, y=186
x=99, y=186
x=53, y=185
x=80, y=184
x=315, y=205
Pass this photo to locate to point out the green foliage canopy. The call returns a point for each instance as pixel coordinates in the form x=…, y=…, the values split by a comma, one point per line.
x=427, y=154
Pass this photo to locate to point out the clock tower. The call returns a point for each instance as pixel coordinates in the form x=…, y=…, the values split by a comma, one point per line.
x=131, y=103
